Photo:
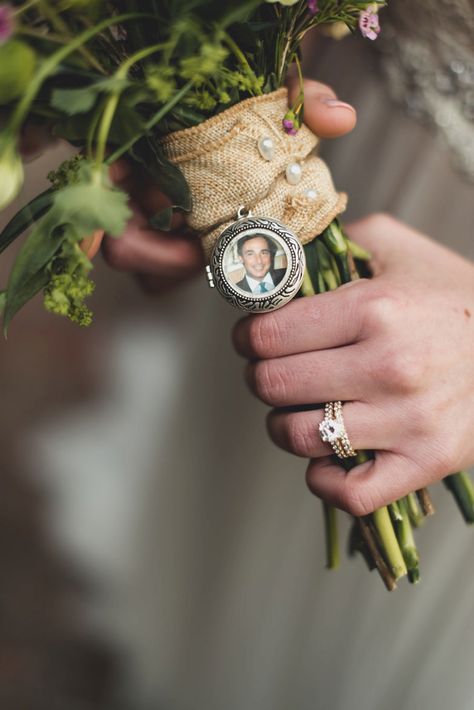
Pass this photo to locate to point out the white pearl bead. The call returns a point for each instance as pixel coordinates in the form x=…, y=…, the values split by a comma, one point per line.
x=311, y=194
x=293, y=173
x=266, y=147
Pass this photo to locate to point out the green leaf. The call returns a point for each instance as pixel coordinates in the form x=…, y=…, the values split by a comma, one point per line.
x=81, y=100
x=72, y=101
x=162, y=220
x=92, y=206
x=25, y=218
x=28, y=274
x=3, y=300
x=22, y=295
x=167, y=176
x=89, y=204
x=127, y=124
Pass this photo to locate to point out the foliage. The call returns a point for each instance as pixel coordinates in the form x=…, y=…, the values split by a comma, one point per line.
x=115, y=76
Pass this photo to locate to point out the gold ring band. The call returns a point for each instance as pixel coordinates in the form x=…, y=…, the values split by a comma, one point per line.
x=333, y=431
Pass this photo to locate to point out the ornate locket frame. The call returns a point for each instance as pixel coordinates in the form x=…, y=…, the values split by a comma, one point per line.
x=248, y=226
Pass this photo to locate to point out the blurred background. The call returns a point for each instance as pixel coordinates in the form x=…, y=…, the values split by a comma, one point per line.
x=156, y=550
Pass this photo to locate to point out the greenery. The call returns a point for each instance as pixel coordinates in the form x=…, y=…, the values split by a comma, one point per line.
x=112, y=77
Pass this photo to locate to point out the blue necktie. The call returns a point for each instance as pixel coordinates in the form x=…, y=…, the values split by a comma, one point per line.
x=263, y=288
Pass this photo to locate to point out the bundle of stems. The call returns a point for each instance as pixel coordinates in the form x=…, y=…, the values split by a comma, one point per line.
x=385, y=538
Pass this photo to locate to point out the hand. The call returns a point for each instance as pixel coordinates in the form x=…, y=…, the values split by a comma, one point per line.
x=159, y=260
x=162, y=260
x=397, y=349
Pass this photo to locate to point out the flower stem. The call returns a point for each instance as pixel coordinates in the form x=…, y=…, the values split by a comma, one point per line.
x=389, y=542
x=332, y=537
x=113, y=100
x=235, y=49
x=307, y=288
x=61, y=27
x=150, y=124
x=395, y=513
x=460, y=485
x=49, y=65
x=374, y=552
x=407, y=543
x=425, y=502
x=25, y=7
x=414, y=510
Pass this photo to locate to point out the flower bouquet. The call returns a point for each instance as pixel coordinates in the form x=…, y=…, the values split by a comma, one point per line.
x=194, y=93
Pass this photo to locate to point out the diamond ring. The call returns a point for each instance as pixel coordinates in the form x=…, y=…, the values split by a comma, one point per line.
x=333, y=431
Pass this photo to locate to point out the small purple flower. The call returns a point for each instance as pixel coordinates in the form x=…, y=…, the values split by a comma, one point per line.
x=291, y=122
x=289, y=127
x=369, y=22
x=7, y=23
x=313, y=7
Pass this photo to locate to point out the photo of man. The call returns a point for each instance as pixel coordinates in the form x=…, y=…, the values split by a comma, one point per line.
x=257, y=254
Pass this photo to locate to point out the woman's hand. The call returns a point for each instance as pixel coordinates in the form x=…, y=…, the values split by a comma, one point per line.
x=398, y=349
x=162, y=260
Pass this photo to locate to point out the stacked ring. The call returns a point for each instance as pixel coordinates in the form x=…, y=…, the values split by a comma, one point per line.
x=333, y=431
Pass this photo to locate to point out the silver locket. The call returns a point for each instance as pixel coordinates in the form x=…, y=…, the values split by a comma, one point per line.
x=257, y=263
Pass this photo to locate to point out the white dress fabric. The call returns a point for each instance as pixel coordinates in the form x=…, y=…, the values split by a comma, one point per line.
x=206, y=545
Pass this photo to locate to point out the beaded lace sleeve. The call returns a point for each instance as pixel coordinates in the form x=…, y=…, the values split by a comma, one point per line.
x=427, y=53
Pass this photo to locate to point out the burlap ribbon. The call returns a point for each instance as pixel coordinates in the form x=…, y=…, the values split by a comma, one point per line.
x=223, y=166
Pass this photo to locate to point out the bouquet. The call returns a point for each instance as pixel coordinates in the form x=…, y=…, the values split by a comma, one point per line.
x=193, y=92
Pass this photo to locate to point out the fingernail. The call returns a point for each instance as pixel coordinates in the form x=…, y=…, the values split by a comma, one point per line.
x=335, y=103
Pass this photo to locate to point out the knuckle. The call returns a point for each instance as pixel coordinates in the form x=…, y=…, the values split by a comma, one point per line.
x=354, y=499
x=379, y=221
x=380, y=309
x=116, y=253
x=269, y=382
x=446, y=456
x=300, y=437
x=401, y=371
x=264, y=335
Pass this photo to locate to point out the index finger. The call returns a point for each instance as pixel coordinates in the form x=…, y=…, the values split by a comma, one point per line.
x=141, y=188
x=328, y=320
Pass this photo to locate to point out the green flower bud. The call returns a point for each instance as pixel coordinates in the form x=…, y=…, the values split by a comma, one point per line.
x=17, y=64
x=11, y=170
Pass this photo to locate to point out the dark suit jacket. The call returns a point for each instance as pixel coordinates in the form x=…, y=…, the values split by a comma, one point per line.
x=276, y=275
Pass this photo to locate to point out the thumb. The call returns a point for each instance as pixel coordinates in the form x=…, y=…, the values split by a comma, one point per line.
x=324, y=114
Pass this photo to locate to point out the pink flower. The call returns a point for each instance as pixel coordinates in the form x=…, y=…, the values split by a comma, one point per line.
x=313, y=7
x=289, y=127
x=291, y=122
x=369, y=22
x=7, y=23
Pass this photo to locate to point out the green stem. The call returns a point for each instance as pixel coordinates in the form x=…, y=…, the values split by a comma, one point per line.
x=61, y=27
x=357, y=251
x=425, y=502
x=388, y=539
x=373, y=550
x=35, y=34
x=114, y=98
x=150, y=124
x=235, y=49
x=460, y=485
x=407, y=543
x=307, y=286
x=332, y=537
x=395, y=513
x=413, y=509
x=25, y=7
x=50, y=64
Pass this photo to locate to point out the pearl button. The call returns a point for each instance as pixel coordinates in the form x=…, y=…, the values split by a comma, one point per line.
x=311, y=194
x=266, y=147
x=293, y=173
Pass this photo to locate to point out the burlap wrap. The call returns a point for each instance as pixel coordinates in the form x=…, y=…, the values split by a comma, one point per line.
x=224, y=169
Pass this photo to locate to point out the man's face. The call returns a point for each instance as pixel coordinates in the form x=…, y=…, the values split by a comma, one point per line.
x=256, y=258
